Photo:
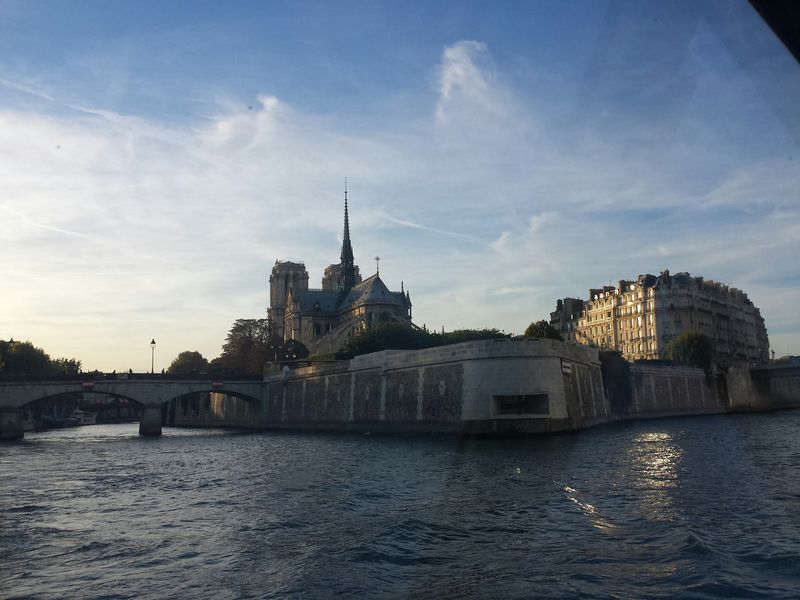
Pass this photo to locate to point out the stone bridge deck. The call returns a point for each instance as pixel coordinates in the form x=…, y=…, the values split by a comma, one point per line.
x=150, y=393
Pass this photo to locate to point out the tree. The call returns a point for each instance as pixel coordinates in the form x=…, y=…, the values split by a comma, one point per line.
x=393, y=336
x=542, y=329
x=5, y=346
x=25, y=359
x=66, y=366
x=467, y=335
x=692, y=349
x=386, y=336
x=286, y=351
x=188, y=362
x=246, y=347
x=250, y=345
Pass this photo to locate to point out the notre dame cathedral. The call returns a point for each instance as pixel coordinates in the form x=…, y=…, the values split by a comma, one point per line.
x=324, y=319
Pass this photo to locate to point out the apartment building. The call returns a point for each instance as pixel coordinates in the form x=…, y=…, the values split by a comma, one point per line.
x=640, y=317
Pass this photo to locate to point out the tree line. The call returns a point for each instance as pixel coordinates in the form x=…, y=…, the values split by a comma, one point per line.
x=250, y=345
x=23, y=359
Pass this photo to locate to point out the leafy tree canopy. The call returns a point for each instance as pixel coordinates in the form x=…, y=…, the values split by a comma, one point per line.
x=249, y=346
x=245, y=348
x=188, y=362
x=467, y=335
x=25, y=359
x=383, y=337
x=392, y=336
x=67, y=366
x=542, y=329
x=692, y=349
x=287, y=351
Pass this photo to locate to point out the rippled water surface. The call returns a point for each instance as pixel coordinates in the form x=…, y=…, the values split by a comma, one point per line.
x=705, y=507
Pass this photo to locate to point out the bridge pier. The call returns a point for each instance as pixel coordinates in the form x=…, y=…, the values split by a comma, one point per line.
x=11, y=424
x=150, y=423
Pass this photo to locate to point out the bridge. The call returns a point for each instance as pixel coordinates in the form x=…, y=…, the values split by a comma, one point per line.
x=150, y=392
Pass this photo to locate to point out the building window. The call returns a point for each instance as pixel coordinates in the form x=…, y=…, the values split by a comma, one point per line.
x=522, y=404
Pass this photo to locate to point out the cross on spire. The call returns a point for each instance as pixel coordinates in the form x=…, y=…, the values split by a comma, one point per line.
x=378, y=265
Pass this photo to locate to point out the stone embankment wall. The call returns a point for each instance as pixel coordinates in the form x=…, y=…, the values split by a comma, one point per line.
x=495, y=386
x=665, y=390
x=765, y=388
x=646, y=390
x=498, y=386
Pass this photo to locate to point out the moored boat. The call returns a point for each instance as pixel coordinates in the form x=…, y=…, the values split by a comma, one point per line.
x=80, y=417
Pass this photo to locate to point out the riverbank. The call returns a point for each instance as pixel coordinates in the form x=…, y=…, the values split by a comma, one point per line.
x=489, y=387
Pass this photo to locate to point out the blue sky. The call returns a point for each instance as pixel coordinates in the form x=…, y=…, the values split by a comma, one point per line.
x=157, y=158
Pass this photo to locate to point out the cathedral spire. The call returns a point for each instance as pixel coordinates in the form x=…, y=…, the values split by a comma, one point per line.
x=346, y=237
x=347, y=277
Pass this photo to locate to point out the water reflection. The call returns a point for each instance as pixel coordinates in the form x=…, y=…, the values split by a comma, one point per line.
x=638, y=509
x=655, y=458
x=595, y=518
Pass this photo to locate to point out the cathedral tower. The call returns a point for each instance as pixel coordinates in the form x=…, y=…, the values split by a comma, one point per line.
x=285, y=276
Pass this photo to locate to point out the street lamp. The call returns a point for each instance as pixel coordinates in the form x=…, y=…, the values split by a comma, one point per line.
x=152, y=355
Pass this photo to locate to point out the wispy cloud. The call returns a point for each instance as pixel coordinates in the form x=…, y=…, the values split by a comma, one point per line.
x=27, y=220
x=125, y=227
x=25, y=88
x=466, y=77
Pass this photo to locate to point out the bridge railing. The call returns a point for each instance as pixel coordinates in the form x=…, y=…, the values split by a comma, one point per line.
x=126, y=376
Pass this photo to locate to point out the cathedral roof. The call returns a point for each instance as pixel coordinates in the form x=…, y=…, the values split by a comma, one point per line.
x=370, y=291
x=373, y=291
x=322, y=300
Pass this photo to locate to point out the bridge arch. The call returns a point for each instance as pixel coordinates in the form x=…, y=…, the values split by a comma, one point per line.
x=152, y=394
x=54, y=407
x=211, y=406
x=223, y=391
x=75, y=393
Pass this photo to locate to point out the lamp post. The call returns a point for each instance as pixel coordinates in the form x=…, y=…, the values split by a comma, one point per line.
x=152, y=355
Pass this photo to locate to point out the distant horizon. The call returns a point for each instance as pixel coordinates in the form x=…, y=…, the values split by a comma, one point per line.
x=156, y=159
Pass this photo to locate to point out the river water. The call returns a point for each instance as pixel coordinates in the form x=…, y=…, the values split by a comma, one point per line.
x=703, y=507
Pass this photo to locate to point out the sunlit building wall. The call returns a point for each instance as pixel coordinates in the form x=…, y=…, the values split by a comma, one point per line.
x=640, y=317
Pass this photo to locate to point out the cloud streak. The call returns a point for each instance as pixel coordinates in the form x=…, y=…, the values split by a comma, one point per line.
x=485, y=208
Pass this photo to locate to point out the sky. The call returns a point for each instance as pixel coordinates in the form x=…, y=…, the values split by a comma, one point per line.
x=157, y=158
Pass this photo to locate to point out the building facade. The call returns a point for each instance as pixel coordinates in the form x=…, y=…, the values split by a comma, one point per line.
x=324, y=319
x=566, y=316
x=640, y=317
